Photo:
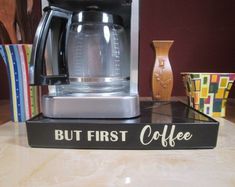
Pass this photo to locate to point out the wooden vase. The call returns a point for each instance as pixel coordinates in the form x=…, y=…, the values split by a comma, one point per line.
x=162, y=76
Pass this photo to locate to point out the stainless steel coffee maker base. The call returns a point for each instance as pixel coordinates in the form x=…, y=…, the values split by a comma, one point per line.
x=91, y=106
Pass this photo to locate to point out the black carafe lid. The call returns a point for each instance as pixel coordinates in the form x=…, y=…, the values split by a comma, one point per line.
x=82, y=4
x=113, y=7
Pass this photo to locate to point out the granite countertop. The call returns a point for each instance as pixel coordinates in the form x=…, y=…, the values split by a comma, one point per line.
x=23, y=166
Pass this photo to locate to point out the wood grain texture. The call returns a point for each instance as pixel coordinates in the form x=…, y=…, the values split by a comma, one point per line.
x=23, y=17
x=20, y=19
x=4, y=36
x=7, y=18
x=162, y=76
x=4, y=111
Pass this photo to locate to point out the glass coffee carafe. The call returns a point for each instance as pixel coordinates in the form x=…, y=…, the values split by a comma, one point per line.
x=83, y=53
x=96, y=54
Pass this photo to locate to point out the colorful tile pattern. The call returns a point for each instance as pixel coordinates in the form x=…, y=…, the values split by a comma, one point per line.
x=25, y=99
x=208, y=92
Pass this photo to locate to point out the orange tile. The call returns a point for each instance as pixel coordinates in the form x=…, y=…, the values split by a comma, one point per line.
x=198, y=85
x=214, y=78
x=196, y=98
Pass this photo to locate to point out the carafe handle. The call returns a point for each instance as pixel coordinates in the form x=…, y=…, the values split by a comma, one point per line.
x=37, y=63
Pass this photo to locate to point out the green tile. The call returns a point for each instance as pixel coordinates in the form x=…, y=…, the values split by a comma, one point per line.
x=205, y=80
x=213, y=88
x=194, y=76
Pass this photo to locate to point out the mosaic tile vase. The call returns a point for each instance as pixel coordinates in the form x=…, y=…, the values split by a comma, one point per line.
x=24, y=99
x=208, y=92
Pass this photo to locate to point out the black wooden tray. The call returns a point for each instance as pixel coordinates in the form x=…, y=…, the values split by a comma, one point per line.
x=162, y=125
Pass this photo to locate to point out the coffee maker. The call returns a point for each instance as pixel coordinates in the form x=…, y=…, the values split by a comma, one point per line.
x=86, y=53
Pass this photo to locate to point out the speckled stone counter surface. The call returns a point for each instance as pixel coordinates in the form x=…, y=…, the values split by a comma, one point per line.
x=23, y=166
